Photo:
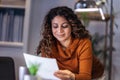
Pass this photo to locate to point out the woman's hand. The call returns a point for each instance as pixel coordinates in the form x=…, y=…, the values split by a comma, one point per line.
x=65, y=75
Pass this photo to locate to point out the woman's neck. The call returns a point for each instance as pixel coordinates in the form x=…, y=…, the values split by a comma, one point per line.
x=66, y=43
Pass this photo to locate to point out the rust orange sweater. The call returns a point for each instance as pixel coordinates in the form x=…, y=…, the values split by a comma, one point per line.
x=78, y=58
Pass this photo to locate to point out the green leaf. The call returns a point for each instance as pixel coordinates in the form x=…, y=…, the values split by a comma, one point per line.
x=33, y=69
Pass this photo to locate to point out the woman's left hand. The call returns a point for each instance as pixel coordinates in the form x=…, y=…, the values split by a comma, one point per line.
x=65, y=75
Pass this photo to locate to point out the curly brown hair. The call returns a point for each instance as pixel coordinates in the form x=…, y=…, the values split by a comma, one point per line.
x=78, y=30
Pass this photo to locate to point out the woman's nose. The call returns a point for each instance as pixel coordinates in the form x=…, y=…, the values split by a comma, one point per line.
x=60, y=30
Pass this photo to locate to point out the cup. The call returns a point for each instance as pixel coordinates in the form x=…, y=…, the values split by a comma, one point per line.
x=30, y=77
x=22, y=72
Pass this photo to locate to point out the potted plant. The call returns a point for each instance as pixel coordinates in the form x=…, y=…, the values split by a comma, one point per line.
x=33, y=69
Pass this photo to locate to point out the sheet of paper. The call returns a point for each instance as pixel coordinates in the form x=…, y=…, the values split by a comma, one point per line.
x=47, y=66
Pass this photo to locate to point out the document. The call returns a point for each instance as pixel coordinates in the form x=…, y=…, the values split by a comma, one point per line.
x=47, y=66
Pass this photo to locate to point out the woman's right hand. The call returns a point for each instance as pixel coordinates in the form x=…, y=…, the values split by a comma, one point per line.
x=65, y=75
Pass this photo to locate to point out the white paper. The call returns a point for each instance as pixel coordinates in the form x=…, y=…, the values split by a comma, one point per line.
x=47, y=66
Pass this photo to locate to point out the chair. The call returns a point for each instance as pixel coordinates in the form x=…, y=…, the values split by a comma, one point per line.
x=7, y=69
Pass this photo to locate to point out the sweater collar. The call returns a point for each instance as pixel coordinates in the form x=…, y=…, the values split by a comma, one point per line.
x=58, y=51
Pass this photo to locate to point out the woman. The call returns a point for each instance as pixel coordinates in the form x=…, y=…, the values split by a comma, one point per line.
x=67, y=40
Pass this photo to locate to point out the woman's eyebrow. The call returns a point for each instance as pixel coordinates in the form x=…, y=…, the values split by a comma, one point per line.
x=65, y=23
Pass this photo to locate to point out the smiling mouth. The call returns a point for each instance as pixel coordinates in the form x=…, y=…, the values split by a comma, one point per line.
x=60, y=36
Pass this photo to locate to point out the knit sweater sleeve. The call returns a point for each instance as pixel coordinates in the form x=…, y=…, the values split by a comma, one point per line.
x=85, y=60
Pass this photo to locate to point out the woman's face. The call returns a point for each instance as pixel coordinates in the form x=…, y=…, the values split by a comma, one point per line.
x=61, y=29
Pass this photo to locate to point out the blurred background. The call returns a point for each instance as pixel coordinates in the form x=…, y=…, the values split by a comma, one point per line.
x=20, y=25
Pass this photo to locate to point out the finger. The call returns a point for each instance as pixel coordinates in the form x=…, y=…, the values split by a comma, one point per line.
x=64, y=72
x=62, y=76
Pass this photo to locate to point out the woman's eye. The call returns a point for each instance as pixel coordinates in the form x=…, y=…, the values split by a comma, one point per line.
x=65, y=26
x=54, y=26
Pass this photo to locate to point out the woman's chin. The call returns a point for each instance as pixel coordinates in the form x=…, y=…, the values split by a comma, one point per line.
x=61, y=40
